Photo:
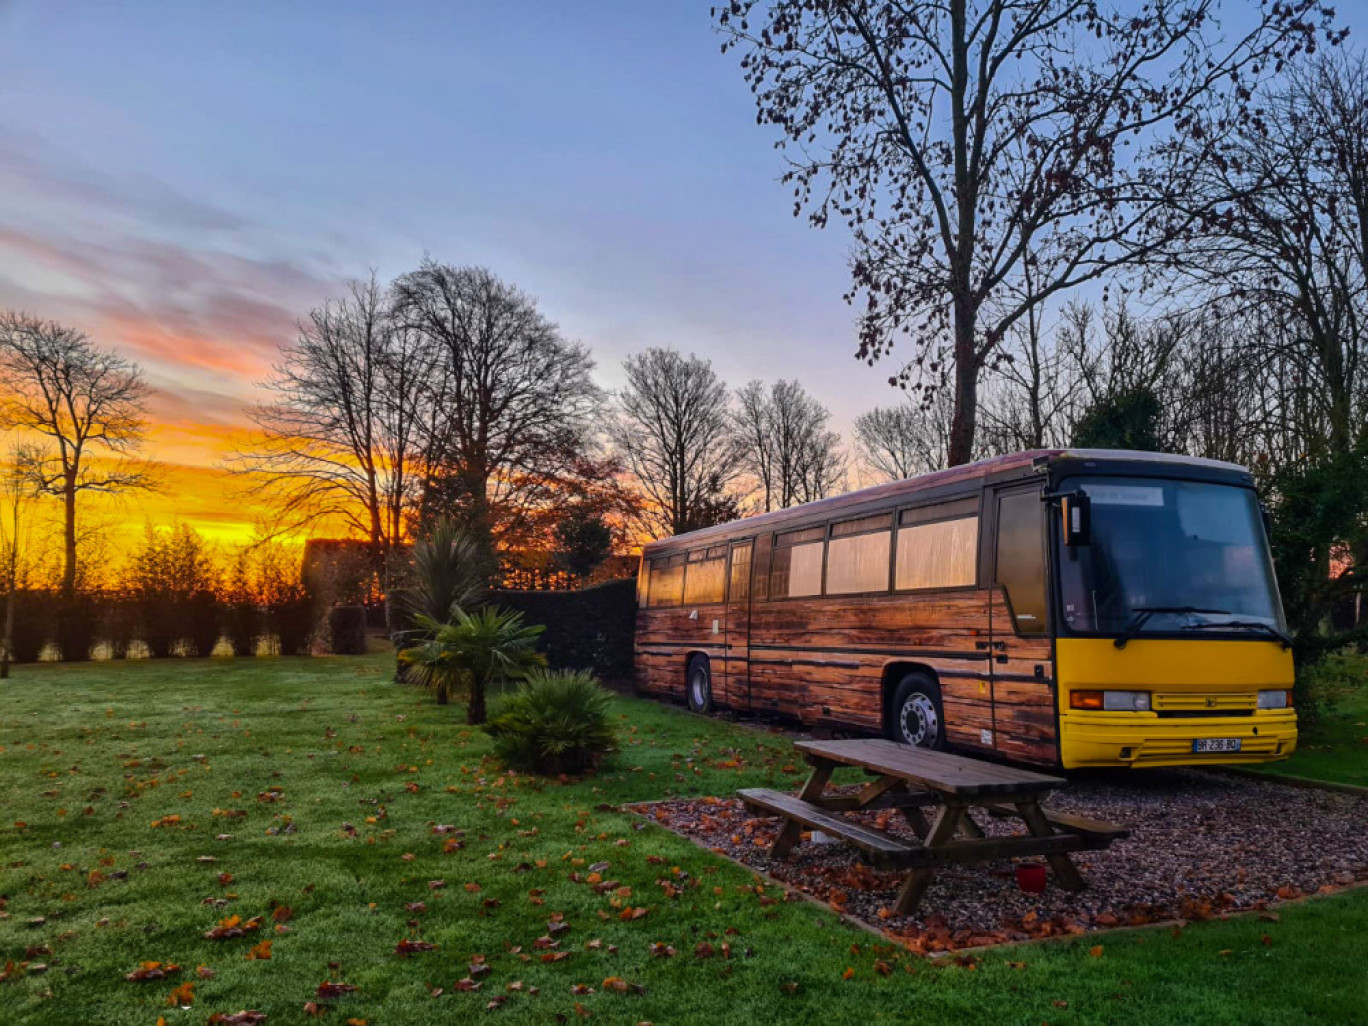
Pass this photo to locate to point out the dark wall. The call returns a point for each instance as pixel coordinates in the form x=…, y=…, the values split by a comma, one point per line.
x=589, y=629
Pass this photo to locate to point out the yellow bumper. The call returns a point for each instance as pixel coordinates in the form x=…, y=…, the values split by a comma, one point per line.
x=1143, y=739
x=1220, y=678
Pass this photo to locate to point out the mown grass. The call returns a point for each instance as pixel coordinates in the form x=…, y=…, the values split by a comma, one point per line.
x=343, y=744
x=1334, y=745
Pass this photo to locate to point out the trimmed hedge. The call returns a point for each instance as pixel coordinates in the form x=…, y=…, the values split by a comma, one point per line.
x=347, y=630
x=590, y=629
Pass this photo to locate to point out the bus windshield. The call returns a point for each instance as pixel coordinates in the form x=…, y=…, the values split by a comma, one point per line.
x=1169, y=556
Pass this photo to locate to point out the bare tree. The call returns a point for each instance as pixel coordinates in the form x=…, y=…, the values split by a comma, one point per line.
x=785, y=444
x=18, y=488
x=510, y=402
x=965, y=142
x=341, y=437
x=1293, y=234
x=674, y=433
x=894, y=442
x=87, y=401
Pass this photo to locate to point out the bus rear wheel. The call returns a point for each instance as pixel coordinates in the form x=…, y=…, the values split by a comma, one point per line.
x=698, y=685
x=915, y=717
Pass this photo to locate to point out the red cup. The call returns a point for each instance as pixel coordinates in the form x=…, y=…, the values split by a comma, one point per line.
x=1030, y=877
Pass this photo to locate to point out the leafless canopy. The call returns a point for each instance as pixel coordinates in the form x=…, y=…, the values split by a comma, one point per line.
x=87, y=403
x=674, y=433
x=785, y=444
x=343, y=433
x=971, y=142
x=910, y=438
x=510, y=402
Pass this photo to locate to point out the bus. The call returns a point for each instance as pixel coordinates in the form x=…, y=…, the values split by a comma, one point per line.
x=1064, y=608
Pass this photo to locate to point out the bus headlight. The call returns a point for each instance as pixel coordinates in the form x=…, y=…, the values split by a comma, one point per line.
x=1110, y=701
x=1279, y=699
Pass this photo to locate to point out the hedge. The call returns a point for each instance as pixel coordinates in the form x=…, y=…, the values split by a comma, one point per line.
x=591, y=629
x=347, y=630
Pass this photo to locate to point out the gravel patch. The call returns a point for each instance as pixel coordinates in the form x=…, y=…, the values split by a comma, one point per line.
x=1201, y=845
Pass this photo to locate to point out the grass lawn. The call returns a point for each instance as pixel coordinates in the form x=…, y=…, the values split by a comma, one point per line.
x=92, y=757
x=1335, y=746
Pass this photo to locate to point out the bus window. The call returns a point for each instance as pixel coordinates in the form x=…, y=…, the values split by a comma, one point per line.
x=940, y=554
x=857, y=558
x=705, y=581
x=796, y=568
x=1021, y=559
x=740, y=574
x=667, y=581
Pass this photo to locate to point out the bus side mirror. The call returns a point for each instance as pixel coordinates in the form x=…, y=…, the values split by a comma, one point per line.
x=1075, y=511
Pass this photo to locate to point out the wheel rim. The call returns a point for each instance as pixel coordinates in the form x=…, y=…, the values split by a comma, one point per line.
x=698, y=685
x=918, y=721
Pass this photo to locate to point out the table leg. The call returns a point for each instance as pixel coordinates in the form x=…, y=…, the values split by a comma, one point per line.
x=788, y=833
x=1064, y=870
x=969, y=828
x=947, y=822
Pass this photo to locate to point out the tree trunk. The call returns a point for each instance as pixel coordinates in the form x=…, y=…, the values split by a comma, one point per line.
x=9, y=628
x=475, y=711
x=69, y=534
x=962, y=426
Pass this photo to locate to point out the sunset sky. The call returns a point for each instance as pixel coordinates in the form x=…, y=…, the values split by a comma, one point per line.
x=185, y=181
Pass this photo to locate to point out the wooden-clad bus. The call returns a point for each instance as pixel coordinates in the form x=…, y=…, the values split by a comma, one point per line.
x=1060, y=607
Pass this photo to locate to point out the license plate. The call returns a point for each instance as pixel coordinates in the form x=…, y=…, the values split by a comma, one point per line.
x=1216, y=744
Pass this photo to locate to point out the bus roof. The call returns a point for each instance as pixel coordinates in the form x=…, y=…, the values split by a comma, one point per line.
x=893, y=490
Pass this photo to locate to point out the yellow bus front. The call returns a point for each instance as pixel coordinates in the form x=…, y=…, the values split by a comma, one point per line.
x=1174, y=702
x=1171, y=648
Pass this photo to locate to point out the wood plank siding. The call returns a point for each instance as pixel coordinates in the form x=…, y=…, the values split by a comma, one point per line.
x=835, y=659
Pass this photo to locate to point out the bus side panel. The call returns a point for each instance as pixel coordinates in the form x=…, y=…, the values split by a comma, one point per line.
x=823, y=659
x=666, y=637
x=1024, y=721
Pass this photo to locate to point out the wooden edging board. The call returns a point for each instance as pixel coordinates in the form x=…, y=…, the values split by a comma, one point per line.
x=982, y=949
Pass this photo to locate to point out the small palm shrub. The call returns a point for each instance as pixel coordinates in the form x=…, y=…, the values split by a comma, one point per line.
x=556, y=722
x=473, y=653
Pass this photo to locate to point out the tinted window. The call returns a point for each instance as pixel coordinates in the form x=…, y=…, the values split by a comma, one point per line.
x=858, y=563
x=705, y=582
x=796, y=570
x=740, y=574
x=943, y=554
x=1021, y=559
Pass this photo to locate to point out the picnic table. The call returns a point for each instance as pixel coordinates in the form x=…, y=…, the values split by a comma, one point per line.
x=915, y=781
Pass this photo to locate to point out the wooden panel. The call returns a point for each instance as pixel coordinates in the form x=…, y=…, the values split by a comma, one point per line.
x=1023, y=702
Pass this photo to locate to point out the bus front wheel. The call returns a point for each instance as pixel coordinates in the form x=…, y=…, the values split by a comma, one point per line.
x=915, y=717
x=698, y=685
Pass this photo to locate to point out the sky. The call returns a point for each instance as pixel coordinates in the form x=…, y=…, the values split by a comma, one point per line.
x=184, y=182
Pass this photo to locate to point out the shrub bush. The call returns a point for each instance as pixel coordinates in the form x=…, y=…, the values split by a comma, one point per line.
x=347, y=630
x=33, y=624
x=242, y=623
x=290, y=617
x=118, y=624
x=203, y=621
x=556, y=722
x=75, y=634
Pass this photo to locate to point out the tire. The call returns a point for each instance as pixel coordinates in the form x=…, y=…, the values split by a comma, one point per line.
x=915, y=716
x=698, y=685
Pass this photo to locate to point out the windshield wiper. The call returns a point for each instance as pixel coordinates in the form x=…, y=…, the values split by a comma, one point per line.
x=1143, y=613
x=1268, y=629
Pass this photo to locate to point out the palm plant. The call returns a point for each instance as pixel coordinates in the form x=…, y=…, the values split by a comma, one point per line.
x=450, y=569
x=474, y=652
x=556, y=722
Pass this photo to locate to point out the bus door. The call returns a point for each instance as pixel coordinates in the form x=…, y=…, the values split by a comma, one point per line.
x=1021, y=668
x=737, y=661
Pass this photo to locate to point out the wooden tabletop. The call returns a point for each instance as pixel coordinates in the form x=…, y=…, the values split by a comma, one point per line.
x=935, y=771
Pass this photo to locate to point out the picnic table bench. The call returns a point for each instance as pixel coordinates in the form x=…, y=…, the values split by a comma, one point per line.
x=911, y=780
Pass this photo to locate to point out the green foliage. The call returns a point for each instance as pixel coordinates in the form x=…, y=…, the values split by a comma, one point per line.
x=556, y=722
x=1317, y=510
x=1126, y=420
x=473, y=652
x=450, y=569
x=584, y=540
